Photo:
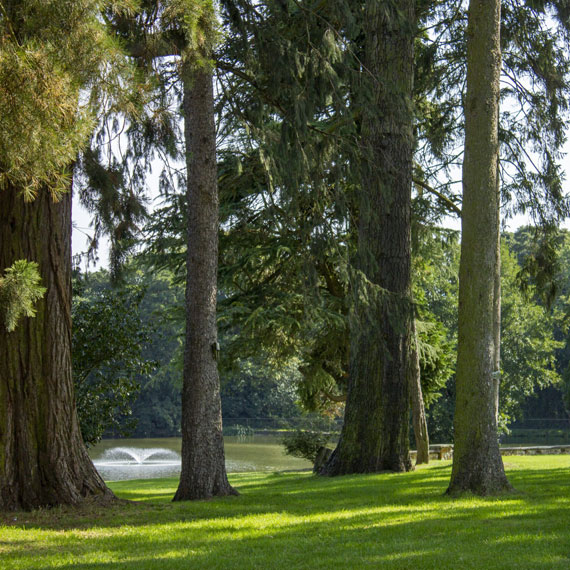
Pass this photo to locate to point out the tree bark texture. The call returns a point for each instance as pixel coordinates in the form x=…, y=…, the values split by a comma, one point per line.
x=43, y=461
x=477, y=463
x=374, y=436
x=203, y=472
x=497, y=328
x=418, y=409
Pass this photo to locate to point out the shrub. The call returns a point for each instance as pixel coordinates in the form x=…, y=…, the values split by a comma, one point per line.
x=305, y=444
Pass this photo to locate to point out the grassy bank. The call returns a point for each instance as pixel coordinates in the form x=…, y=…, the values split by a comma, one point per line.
x=295, y=520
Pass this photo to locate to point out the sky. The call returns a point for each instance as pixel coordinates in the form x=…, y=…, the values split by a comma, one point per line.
x=82, y=220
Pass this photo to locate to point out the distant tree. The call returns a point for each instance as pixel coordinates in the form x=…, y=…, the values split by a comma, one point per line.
x=109, y=338
x=157, y=409
x=254, y=389
x=531, y=343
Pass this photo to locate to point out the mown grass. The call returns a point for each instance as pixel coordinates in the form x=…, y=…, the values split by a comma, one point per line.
x=296, y=520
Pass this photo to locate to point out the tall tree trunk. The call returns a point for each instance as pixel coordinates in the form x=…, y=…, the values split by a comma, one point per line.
x=374, y=436
x=477, y=462
x=203, y=462
x=43, y=461
x=418, y=409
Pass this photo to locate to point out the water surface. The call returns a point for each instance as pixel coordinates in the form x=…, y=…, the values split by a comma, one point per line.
x=122, y=459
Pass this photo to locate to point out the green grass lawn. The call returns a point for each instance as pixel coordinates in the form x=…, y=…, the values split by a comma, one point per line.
x=296, y=520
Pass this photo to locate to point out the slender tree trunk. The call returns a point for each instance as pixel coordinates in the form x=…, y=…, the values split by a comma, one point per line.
x=43, y=461
x=203, y=462
x=374, y=436
x=477, y=462
x=418, y=409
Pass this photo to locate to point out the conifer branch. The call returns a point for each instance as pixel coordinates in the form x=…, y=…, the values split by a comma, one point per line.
x=452, y=206
x=332, y=397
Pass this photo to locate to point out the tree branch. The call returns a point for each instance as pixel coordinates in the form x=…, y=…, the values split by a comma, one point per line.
x=451, y=205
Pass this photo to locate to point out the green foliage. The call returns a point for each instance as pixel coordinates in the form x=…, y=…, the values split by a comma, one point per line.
x=537, y=251
x=253, y=388
x=198, y=21
x=436, y=358
x=42, y=69
x=108, y=361
x=532, y=336
x=20, y=289
x=305, y=444
x=53, y=132
x=528, y=344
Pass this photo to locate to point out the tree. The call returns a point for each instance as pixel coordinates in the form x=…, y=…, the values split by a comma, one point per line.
x=44, y=461
x=203, y=472
x=477, y=463
x=374, y=436
x=109, y=339
x=187, y=30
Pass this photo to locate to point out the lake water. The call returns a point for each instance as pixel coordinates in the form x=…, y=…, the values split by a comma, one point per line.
x=122, y=459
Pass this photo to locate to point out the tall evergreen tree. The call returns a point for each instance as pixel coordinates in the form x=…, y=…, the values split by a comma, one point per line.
x=44, y=461
x=477, y=463
x=185, y=30
x=374, y=436
x=203, y=472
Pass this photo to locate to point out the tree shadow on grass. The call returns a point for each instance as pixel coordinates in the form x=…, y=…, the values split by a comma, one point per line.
x=295, y=494
x=301, y=521
x=493, y=535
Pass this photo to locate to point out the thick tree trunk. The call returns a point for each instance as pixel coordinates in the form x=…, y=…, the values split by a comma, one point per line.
x=203, y=462
x=477, y=463
x=374, y=436
x=418, y=409
x=43, y=461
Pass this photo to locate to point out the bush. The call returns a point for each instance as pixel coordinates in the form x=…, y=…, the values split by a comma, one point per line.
x=305, y=444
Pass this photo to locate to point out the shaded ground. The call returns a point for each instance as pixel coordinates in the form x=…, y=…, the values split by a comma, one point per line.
x=296, y=520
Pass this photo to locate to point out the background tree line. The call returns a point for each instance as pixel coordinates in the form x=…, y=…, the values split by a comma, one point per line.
x=268, y=380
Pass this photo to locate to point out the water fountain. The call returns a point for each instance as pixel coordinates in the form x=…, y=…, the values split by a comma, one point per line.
x=120, y=459
x=121, y=463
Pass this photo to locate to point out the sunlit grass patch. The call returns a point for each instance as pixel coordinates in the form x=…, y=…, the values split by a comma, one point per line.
x=297, y=520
